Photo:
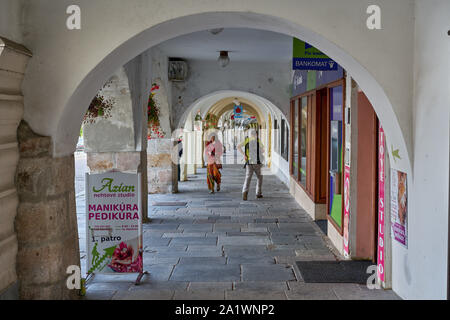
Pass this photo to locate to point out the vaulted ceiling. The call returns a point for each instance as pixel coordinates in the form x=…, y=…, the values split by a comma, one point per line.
x=243, y=44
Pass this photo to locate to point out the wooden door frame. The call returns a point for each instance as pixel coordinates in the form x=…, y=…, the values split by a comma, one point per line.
x=336, y=83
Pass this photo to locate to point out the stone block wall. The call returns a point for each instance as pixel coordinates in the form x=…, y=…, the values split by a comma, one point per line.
x=13, y=60
x=160, y=167
x=100, y=162
x=46, y=222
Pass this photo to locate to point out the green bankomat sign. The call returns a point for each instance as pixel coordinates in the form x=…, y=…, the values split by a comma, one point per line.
x=306, y=57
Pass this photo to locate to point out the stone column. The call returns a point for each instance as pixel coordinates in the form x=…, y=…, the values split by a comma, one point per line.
x=46, y=222
x=191, y=149
x=159, y=165
x=13, y=60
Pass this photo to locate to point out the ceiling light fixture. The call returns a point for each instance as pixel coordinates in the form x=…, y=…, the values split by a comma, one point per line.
x=216, y=31
x=223, y=60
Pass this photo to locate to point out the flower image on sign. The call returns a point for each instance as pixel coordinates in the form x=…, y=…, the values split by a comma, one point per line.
x=114, y=224
x=399, y=207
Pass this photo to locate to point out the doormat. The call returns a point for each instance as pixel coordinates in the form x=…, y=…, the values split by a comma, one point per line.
x=350, y=271
x=169, y=204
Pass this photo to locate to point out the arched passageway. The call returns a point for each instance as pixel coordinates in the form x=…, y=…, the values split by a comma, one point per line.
x=152, y=36
x=379, y=73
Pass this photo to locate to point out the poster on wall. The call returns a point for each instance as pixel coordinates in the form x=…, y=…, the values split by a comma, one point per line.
x=113, y=223
x=399, y=207
x=381, y=205
x=346, y=209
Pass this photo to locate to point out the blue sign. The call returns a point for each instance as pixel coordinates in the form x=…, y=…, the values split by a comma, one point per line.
x=314, y=64
x=306, y=57
x=238, y=111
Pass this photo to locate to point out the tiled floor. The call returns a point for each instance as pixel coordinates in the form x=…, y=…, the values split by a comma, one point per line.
x=220, y=247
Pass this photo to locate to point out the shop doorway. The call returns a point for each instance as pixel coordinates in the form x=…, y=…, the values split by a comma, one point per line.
x=366, y=229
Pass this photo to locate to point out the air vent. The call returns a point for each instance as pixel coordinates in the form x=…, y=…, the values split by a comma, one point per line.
x=178, y=69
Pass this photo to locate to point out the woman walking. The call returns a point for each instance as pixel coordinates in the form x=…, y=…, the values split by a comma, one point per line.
x=213, y=153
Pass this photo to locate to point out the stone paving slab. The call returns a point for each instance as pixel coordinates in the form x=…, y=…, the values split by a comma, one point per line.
x=159, y=272
x=195, y=240
x=203, y=227
x=209, y=273
x=148, y=283
x=167, y=261
x=99, y=294
x=308, y=291
x=220, y=247
x=195, y=286
x=184, y=234
x=155, y=241
x=243, y=240
x=268, y=273
x=261, y=286
x=254, y=260
x=255, y=295
x=203, y=260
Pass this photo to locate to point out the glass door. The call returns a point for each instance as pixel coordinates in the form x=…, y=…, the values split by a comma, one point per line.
x=335, y=155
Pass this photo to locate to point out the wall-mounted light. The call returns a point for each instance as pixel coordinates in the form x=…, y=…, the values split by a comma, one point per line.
x=216, y=31
x=223, y=60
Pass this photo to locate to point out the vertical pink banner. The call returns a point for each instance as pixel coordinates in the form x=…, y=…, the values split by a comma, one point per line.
x=381, y=204
x=346, y=208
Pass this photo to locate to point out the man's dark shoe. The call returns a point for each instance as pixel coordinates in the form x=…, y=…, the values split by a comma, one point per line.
x=259, y=196
x=244, y=196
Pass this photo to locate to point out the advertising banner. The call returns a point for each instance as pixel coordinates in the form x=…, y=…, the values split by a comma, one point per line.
x=399, y=207
x=306, y=57
x=346, y=209
x=381, y=206
x=113, y=223
x=238, y=111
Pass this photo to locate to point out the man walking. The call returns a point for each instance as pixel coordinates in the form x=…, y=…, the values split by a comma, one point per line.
x=254, y=158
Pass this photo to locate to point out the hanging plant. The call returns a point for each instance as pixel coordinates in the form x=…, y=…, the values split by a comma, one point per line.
x=198, y=116
x=153, y=111
x=100, y=107
x=210, y=122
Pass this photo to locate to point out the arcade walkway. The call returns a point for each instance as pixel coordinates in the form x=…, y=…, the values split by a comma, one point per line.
x=216, y=246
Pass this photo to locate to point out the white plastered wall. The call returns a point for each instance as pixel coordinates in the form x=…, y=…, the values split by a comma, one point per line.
x=420, y=271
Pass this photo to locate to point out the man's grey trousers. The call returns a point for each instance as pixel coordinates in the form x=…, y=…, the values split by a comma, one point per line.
x=249, y=169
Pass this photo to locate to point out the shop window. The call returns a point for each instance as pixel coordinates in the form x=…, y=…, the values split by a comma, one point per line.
x=284, y=140
x=276, y=136
x=336, y=103
x=308, y=120
x=295, y=137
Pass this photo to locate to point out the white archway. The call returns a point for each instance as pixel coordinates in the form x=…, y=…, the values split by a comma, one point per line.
x=204, y=103
x=70, y=118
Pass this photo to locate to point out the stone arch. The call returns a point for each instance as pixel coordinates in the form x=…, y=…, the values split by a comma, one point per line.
x=13, y=60
x=213, y=99
x=377, y=72
x=397, y=135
